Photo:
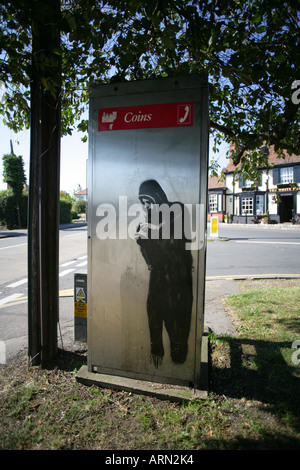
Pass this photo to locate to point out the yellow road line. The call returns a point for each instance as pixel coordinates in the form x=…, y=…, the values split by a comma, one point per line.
x=21, y=300
x=70, y=292
x=66, y=293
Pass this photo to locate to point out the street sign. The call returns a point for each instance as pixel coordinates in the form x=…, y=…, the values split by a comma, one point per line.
x=147, y=167
x=146, y=116
x=80, y=294
x=80, y=307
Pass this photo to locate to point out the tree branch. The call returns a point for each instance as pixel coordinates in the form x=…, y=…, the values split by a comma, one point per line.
x=221, y=128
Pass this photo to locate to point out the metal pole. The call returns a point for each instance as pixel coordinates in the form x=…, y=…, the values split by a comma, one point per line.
x=34, y=326
x=43, y=217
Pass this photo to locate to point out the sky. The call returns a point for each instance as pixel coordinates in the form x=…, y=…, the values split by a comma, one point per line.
x=74, y=154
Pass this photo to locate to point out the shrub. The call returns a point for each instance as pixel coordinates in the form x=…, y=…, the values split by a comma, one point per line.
x=65, y=211
x=79, y=206
x=8, y=209
x=9, y=215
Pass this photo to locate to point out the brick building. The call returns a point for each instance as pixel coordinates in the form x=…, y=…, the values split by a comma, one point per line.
x=275, y=199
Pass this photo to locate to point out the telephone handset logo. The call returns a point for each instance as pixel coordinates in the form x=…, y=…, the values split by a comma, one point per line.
x=184, y=114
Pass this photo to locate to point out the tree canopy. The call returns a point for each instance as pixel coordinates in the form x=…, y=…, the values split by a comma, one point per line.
x=13, y=173
x=14, y=176
x=249, y=50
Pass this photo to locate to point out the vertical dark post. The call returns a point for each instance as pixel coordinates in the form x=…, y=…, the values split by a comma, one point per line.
x=34, y=320
x=43, y=218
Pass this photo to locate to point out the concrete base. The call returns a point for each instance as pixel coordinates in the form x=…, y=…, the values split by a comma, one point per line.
x=163, y=391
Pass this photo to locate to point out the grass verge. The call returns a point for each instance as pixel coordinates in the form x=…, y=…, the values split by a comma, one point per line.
x=253, y=400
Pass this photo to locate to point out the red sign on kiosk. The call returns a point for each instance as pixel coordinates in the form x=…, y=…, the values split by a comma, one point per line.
x=146, y=116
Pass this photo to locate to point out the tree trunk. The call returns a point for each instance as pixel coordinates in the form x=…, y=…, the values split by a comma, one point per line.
x=43, y=216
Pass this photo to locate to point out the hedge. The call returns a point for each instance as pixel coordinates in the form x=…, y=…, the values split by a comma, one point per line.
x=65, y=211
x=8, y=210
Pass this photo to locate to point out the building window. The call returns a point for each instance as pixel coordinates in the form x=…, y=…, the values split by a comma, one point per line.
x=286, y=175
x=247, y=206
x=259, y=204
x=213, y=203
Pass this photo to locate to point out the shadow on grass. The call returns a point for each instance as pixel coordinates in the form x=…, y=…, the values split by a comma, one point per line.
x=258, y=370
x=67, y=360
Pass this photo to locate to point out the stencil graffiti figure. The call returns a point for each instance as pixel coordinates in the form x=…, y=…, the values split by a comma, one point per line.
x=170, y=297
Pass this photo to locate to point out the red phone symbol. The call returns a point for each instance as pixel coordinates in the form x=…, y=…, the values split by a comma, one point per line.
x=185, y=118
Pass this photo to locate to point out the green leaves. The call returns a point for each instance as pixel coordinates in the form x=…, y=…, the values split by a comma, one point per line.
x=250, y=51
x=13, y=172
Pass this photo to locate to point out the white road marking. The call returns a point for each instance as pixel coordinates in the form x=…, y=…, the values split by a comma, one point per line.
x=68, y=263
x=266, y=242
x=12, y=246
x=72, y=235
x=20, y=300
x=10, y=298
x=61, y=274
x=2, y=352
x=67, y=271
x=84, y=263
x=18, y=283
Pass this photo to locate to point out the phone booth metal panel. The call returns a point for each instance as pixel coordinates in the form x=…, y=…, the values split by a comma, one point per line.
x=147, y=193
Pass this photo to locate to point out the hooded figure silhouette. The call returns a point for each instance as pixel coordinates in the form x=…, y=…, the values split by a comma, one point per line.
x=170, y=294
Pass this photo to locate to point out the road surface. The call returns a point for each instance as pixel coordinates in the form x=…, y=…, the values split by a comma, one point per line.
x=251, y=251
x=13, y=286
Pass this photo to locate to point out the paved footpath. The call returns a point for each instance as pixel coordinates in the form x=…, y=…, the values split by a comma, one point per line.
x=215, y=317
